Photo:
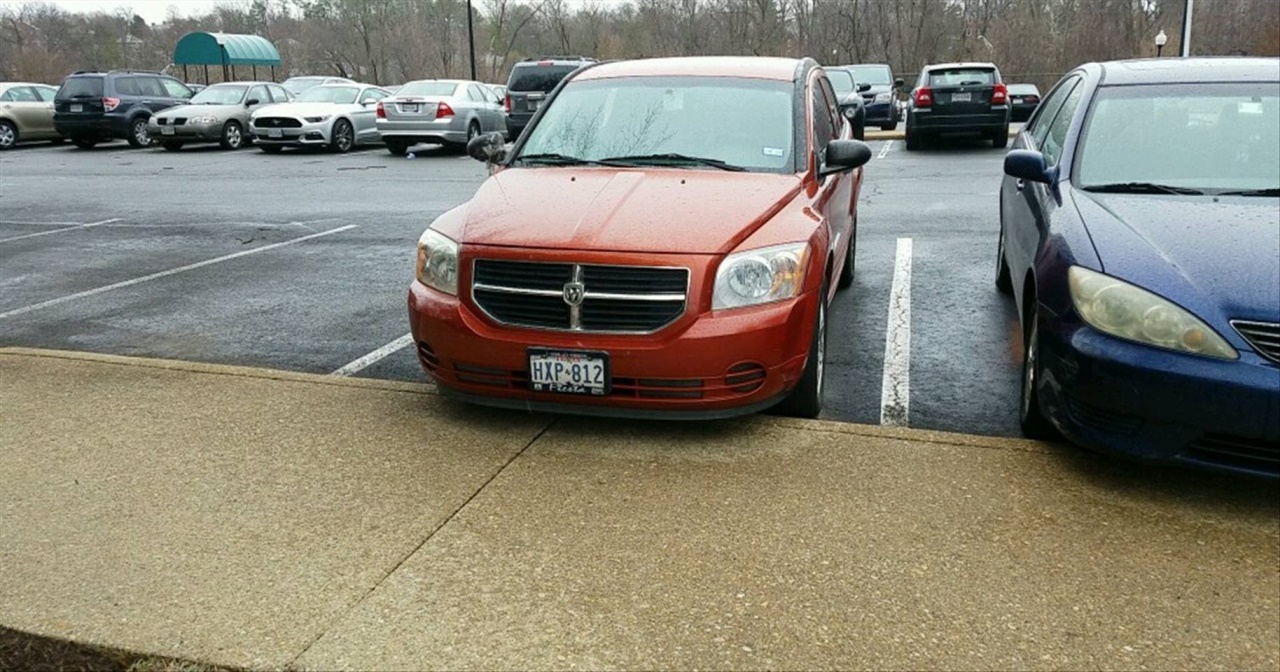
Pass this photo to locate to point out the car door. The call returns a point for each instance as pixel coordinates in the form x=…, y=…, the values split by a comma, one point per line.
x=364, y=119
x=176, y=93
x=258, y=93
x=1028, y=206
x=154, y=96
x=483, y=106
x=279, y=94
x=33, y=116
x=835, y=192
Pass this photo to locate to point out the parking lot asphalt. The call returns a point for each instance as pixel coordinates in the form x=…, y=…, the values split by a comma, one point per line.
x=270, y=519
x=300, y=262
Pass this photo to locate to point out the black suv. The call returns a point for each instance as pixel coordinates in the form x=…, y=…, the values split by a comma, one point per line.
x=958, y=98
x=93, y=107
x=530, y=82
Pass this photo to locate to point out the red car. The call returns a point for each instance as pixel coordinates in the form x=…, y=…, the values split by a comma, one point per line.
x=662, y=241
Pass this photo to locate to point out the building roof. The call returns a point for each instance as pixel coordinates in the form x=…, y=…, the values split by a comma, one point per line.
x=224, y=48
x=753, y=67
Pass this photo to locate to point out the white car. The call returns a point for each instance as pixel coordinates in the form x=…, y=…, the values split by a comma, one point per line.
x=337, y=116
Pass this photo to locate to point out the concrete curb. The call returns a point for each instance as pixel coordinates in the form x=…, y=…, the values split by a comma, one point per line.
x=823, y=426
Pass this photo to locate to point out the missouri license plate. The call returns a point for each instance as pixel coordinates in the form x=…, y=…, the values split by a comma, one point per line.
x=569, y=372
x=274, y=133
x=77, y=108
x=166, y=130
x=961, y=97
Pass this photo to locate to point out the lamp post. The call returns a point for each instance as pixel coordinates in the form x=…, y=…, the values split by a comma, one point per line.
x=1161, y=40
x=471, y=41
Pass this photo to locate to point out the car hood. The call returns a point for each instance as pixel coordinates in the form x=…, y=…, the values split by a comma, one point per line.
x=304, y=109
x=627, y=210
x=1218, y=257
x=220, y=111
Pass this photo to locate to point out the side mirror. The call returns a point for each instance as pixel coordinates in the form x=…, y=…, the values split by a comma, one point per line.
x=1025, y=164
x=251, y=102
x=487, y=147
x=842, y=155
x=898, y=83
x=862, y=88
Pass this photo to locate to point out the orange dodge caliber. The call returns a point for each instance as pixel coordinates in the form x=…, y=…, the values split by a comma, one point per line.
x=662, y=241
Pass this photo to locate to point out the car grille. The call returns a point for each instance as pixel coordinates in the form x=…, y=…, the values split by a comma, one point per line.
x=609, y=299
x=1263, y=336
x=1237, y=452
x=276, y=122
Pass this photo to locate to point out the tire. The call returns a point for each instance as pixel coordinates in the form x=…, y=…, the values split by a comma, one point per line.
x=270, y=149
x=846, y=275
x=889, y=127
x=172, y=145
x=84, y=143
x=1000, y=139
x=860, y=130
x=8, y=135
x=1030, y=417
x=473, y=130
x=1003, y=281
x=138, y=135
x=344, y=137
x=232, y=136
x=805, y=401
x=913, y=142
x=397, y=148
x=57, y=141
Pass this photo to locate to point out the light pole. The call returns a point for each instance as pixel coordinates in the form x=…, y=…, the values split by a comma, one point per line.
x=1161, y=40
x=1186, y=28
x=471, y=41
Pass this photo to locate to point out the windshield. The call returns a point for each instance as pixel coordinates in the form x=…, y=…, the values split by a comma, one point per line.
x=841, y=81
x=220, y=94
x=343, y=95
x=534, y=77
x=81, y=87
x=874, y=75
x=1023, y=90
x=744, y=122
x=1210, y=137
x=296, y=85
x=961, y=77
x=427, y=88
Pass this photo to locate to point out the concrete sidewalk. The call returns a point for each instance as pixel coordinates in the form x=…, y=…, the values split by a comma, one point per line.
x=266, y=519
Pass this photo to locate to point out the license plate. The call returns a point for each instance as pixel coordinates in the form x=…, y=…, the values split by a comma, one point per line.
x=408, y=107
x=961, y=97
x=77, y=108
x=569, y=372
x=166, y=130
x=274, y=133
x=1016, y=101
x=533, y=105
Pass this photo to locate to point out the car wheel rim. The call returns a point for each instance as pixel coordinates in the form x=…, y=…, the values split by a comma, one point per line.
x=821, y=354
x=472, y=132
x=140, y=133
x=233, y=136
x=1029, y=371
x=344, y=139
x=6, y=135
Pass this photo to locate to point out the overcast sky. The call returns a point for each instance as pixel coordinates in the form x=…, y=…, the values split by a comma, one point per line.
x=152, y=11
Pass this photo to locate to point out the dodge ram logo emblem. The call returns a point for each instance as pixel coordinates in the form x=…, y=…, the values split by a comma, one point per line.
x=574, y=293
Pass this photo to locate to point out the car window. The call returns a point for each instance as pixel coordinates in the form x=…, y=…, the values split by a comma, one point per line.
x=127, y=86
x=7, y=96
x=527, y=77
x=742, y=121
x=278, y=94
x=961, y=76
x=824, y=127
x=876, y=75
x=20, y=94
x=474, y=93
x=81, y=87
x=46, y=93
x=175, y=89
x=1039, y=124
x=372, y=96
x=1057, y=135
x=341, y=95
x=152, y=86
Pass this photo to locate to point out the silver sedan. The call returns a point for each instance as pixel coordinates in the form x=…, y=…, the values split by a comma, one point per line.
x=438, y=111
x=337, y=116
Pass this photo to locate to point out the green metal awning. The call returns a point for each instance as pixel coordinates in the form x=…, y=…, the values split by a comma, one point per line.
x=224, y=49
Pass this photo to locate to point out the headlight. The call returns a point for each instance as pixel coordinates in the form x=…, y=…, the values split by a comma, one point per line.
x=438, y=262
x=850, y=112
x=882, y=97
x=1120, y=309
x=316, y=120
x=760, y=276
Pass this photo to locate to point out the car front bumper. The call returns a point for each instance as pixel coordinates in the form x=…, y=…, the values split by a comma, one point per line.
x=933, y=122
x=309, y=134
x=185, y=132
x=450, y=130
x=1142, y=402
x=694, y=369
x=881, y=113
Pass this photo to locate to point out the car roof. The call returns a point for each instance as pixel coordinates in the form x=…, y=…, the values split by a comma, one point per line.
x=754, y=67
x=964, y=64
x=239, y=81
x=860, y=65
x=6, y=85
x=1175, y=70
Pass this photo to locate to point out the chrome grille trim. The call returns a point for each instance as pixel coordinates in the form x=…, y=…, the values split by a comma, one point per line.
x=575, y=322
x=1263, y=336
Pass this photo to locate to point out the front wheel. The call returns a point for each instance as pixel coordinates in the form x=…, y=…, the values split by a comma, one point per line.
x=232, y=136
x=860, y=130
x=1004, y=281
x=138, y=135
x=344, y=137
x=1034, y=424
x=805, y=401
x=846, y=275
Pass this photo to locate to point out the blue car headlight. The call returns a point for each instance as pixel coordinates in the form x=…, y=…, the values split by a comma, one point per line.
x=1120, y=309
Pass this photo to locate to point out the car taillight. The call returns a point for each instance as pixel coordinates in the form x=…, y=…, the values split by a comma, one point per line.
x=443, y=110
x=999, y=95
x=1031, y=99
x=109, y=104
x=381, y=111
x=924, y=97
x=506, y=104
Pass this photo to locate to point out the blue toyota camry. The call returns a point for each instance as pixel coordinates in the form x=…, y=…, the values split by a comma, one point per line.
x=1140, y=240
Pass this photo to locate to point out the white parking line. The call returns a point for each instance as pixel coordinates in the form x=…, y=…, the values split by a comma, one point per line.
x=895, y=387
x=884, y=151
x=69, y=228
x=164, y=274
x=375, y=356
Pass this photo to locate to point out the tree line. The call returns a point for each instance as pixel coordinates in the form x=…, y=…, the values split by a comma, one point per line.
x=393, y=41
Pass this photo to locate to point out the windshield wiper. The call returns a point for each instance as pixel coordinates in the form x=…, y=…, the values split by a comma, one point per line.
x=1141, y=188
x=1273, y=191
x=553, y=159
x=673, y=159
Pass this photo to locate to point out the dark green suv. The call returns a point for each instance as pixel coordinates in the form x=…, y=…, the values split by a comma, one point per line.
x=93, y=107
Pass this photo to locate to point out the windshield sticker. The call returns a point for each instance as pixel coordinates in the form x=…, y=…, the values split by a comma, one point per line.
x=773, y=151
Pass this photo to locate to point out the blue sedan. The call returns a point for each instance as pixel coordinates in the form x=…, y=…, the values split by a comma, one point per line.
x=1140, y=240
